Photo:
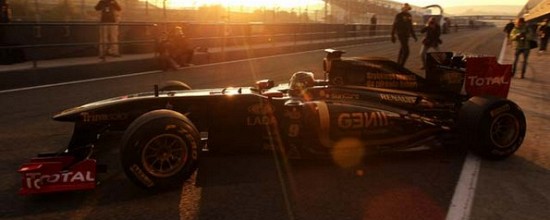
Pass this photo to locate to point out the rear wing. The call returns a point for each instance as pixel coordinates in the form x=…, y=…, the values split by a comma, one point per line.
x=485, y=76
x=468, y=75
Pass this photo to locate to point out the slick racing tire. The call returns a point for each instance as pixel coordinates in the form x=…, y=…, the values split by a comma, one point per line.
x=174, y=85
x=493, y=128
x=159, y=150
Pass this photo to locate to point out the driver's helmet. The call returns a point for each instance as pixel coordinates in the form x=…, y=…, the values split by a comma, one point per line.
x=300, y=81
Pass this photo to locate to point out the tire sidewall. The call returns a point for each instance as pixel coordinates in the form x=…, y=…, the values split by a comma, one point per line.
x=479, y=129
x=139, y=135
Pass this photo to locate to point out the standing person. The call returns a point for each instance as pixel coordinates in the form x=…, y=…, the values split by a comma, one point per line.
x=520, y=37
x=543, y=32
x=403, y=27
x=5, y=13
x=373, y=22
x=446, y=25
x=507, y=29
x=5, y=17
x=431, y=40
x=108, y=31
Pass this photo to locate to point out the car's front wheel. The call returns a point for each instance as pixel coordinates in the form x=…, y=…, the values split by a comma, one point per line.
x=159, y=150
x=493, y=128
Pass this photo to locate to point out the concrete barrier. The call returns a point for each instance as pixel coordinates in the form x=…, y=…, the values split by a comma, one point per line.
x=28, y=77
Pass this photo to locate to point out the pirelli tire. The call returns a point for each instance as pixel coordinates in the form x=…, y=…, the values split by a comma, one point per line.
x=493, y=128
x=171, y=85
x=159, y=150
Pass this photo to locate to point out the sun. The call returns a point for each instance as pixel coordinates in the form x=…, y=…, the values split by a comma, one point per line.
x=279, y=4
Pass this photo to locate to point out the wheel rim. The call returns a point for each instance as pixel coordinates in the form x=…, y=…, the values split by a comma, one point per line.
x=164, y=155
x=504, y=130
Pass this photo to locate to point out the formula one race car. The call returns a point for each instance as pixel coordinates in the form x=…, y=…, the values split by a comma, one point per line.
x=371, y=101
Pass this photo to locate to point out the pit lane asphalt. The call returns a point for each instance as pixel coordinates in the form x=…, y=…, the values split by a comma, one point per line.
x=408, y=185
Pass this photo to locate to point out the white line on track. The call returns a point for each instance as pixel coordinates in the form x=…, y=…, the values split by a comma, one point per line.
x=502, y=51
x=77, y=81
x=463, y=197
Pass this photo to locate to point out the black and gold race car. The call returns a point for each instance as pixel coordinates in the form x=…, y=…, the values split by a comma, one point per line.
x=362, y=102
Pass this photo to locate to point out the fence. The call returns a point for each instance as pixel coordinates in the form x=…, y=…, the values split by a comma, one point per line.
x=43, y=41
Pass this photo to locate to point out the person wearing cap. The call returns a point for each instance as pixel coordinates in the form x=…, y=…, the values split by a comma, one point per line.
x=403, y=28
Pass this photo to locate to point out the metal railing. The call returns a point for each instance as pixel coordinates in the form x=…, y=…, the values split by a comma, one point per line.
x=37, y=40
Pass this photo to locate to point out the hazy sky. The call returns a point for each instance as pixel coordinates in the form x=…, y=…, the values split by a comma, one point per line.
x=449, y=3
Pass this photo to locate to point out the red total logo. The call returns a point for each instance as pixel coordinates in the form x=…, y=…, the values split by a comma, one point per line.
x=486, y=81
x=37, y=180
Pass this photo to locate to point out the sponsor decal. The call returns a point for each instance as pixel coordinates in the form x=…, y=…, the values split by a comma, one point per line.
x=388, y=80
x=188, y=137
x=338, y=95
x=398, y=98
x=485, y=76
x=260, y=120
x=87, y=117
x=37, y=180
x=371, y=65
x=500, y=109
x=487, y=81
x=359, y=120
x=261, y=109
x=390, y=76
x=193, y=144
x=138, y=173
x=344, y=96
x=293, y=114
x=262, y=115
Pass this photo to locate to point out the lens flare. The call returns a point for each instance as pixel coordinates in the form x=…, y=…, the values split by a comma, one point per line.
x=348, y=152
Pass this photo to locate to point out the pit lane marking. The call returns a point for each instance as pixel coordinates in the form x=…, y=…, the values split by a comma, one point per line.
x=463, y=197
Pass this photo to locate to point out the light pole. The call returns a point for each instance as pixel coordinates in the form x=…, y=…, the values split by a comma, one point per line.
x=146, y=7
x=326, y=11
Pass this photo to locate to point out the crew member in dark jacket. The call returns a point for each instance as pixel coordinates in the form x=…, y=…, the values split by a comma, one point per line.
x=543, y=31
x=108, y=31
x=403, y=27
x=431, y=40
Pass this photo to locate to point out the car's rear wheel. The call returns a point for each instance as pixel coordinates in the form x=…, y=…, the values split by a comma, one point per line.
x=493, y=128
x=159, y=150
